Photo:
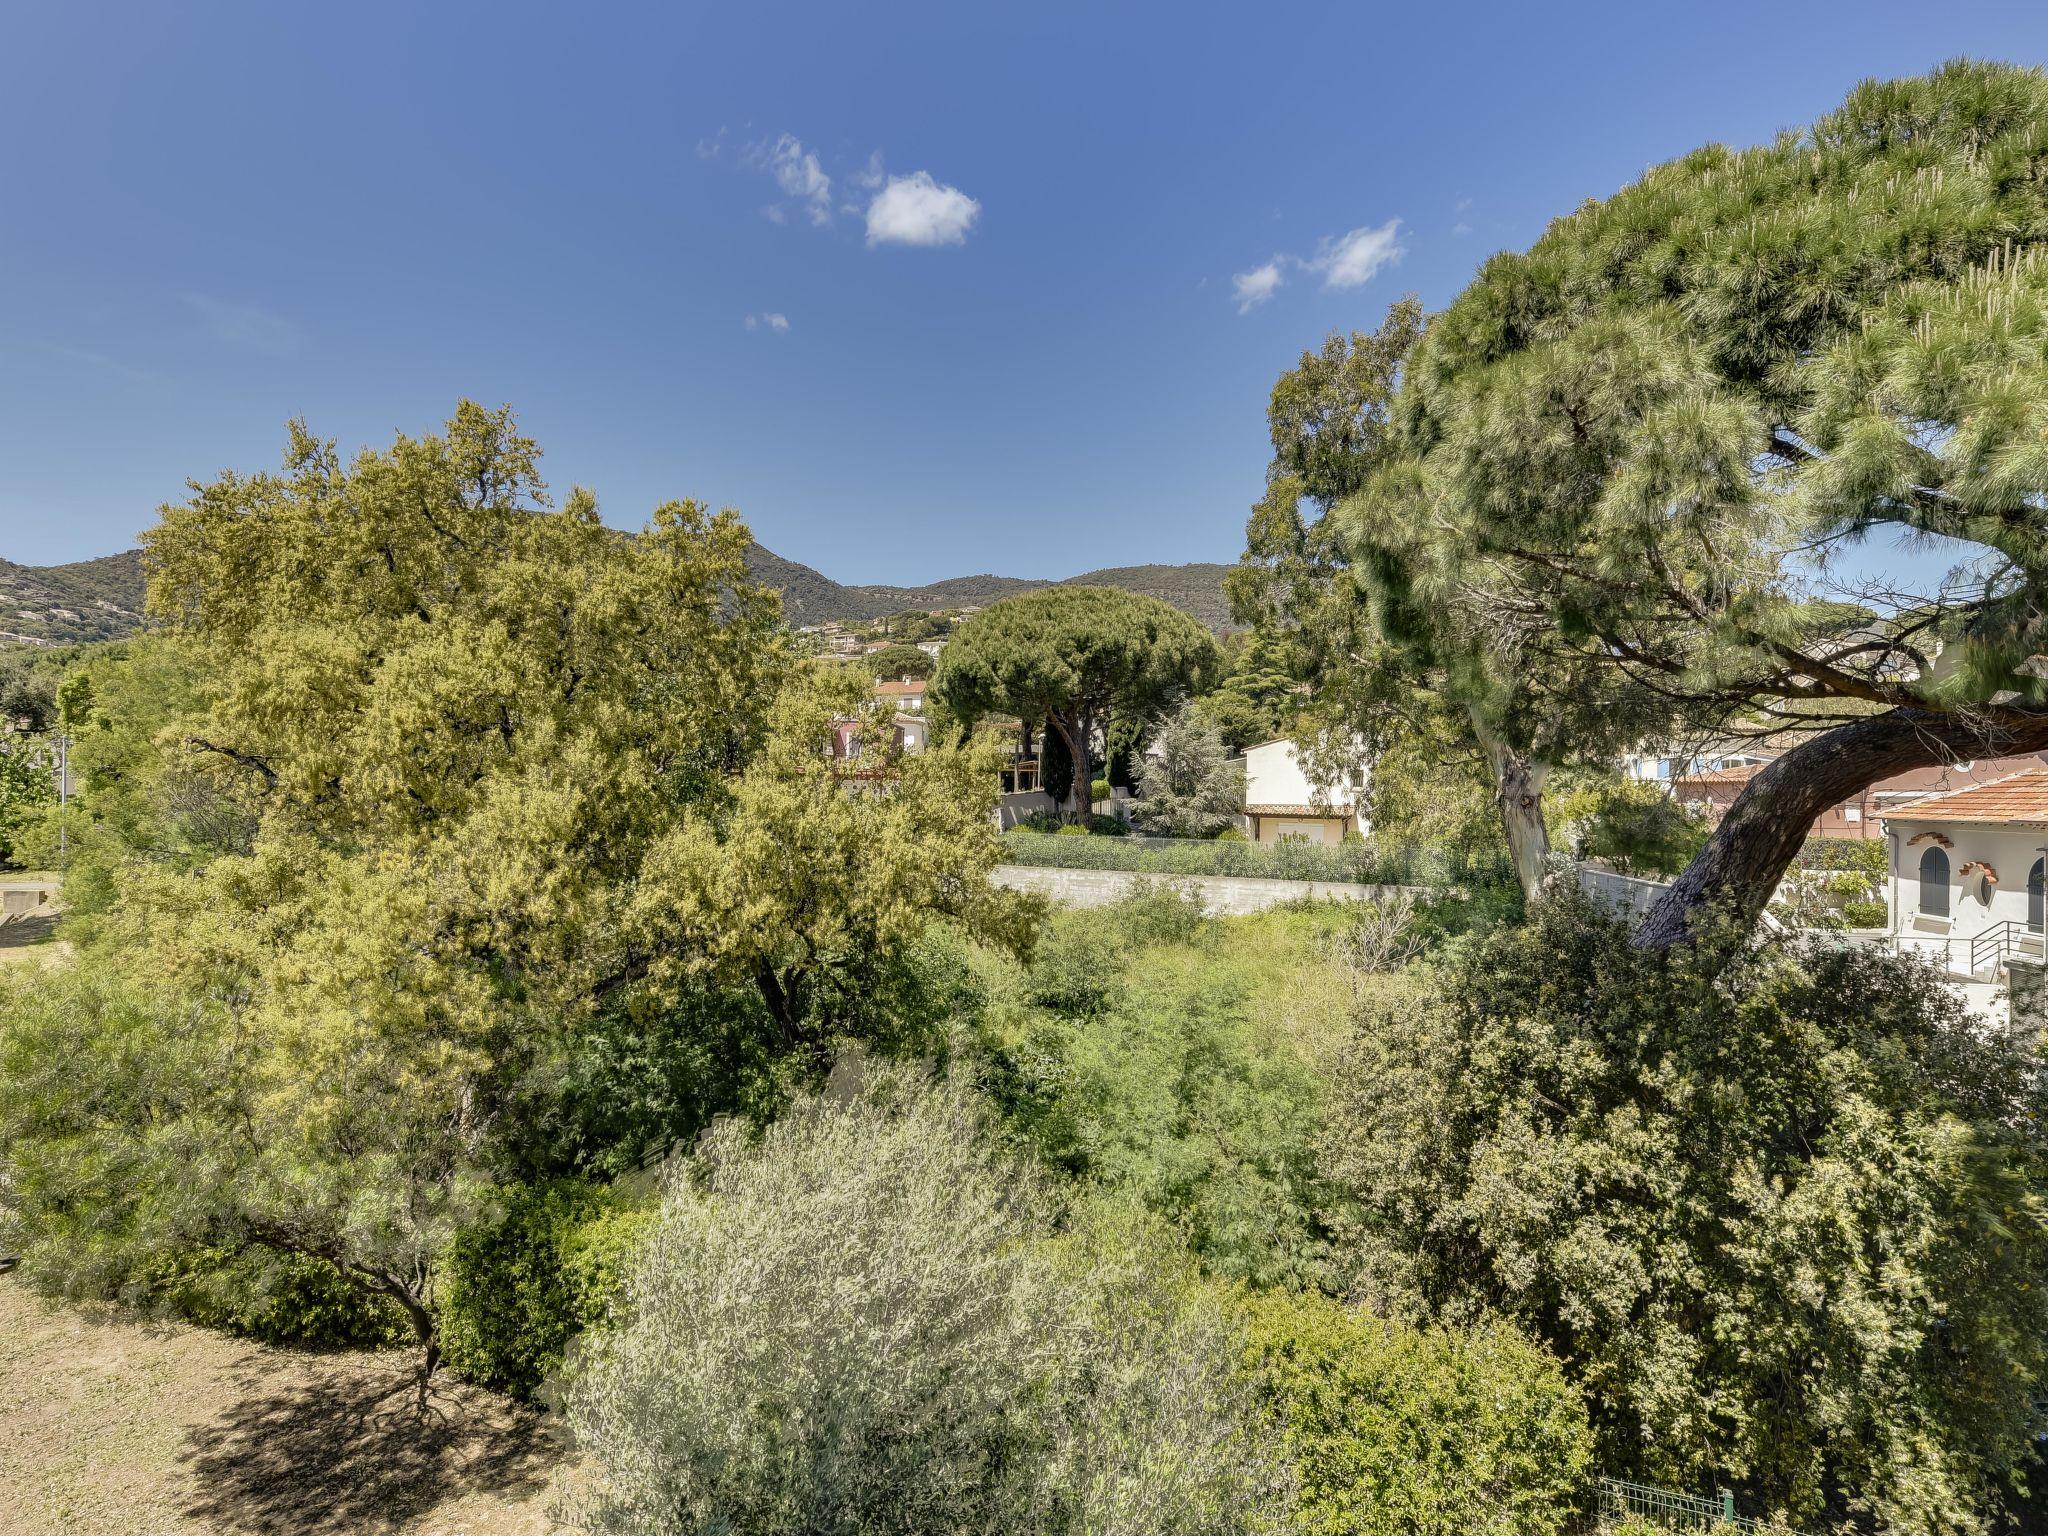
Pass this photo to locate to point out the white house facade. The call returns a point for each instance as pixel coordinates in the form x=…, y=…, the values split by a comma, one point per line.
x=1968, y=872
x=1280, y=801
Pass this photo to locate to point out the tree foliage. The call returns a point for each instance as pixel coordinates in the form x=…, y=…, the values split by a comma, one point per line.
x=857, y=1324
x=1780, y=1212
x=481, y=790
x=1076, y=658
x=1394, y=1430
x=1187, y=787
x=1645, y=442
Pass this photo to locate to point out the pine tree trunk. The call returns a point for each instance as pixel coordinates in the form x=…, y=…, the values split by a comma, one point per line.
x=1079, y=792
x=1754, y=845
x=1518, y=791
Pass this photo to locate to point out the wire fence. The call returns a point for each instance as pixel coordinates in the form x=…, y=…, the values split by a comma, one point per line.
x=1362, y=862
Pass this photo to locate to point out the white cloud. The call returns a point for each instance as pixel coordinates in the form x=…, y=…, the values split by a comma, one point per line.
x=1253, y=288
x=796, y=170
x=1349, y=261
x=916, y=210
x=774, y=320
x=1345, y=261
x=245, y=327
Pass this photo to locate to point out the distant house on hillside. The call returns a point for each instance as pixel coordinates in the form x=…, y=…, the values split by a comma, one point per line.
x=1281, y=802
x=903, y=694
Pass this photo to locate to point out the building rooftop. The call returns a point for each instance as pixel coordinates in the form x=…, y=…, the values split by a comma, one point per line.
x=2018, y=799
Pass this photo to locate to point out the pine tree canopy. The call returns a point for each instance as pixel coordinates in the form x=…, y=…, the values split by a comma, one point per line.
x=1649, y=439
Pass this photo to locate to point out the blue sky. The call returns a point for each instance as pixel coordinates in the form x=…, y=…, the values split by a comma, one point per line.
x=1023, y=259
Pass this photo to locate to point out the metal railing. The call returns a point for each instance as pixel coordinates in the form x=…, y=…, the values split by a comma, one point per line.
x=1992, y=945
x=1620, y=1500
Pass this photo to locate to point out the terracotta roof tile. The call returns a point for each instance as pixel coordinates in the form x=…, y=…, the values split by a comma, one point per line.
x=1742, y=773
x=2018, y=799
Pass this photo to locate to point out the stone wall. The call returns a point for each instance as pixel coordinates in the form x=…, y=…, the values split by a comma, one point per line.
x=1221, y=895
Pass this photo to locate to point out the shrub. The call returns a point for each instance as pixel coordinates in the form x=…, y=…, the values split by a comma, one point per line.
x=1858, y=913
x=1772, y=1205
x=1099, y=790
x=1169, y=1093
x=515, y=1289
x=1072, y=829
x=1392, y=1429
x=277, y=1298
x=1231, y=835
x=854, y=1325
x=1109, y=826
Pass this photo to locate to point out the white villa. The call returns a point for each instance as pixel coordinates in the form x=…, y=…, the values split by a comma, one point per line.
x=1280, y=801
x=1967, y=874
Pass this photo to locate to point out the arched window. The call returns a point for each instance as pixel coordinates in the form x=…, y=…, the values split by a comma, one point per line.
x=2035, y=879
x=1934, y=883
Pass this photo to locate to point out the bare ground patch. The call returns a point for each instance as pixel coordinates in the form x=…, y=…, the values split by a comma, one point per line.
x=110, y=1426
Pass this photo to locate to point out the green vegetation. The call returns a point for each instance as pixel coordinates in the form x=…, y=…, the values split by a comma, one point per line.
x=896, y=662
x=67, y=604
x=1188, y=788
x=1392, y=1429
x=1078, y=659
x=444, y=861
x=862, y=1323
x=1364, y=862
x=519, y=1284
x=1779, y=1212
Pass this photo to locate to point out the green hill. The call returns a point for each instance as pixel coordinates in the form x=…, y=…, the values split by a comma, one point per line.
x=63, y=604
x=102, y=599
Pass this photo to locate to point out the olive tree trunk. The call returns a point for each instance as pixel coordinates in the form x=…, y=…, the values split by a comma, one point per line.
x=1754, y=845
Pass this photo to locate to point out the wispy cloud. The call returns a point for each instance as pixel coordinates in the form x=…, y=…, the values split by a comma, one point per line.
x=918, y=210
x=1349, y=261
x=772, y=320
x=796, y=170
x=1342, y=261
x=1253, y=288
x=245, y=327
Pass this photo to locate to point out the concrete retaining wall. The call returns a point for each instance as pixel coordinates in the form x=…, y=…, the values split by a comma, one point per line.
x=1221, y=895
x=1621, y=895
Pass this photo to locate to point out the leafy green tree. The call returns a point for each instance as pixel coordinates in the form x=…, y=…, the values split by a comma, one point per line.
x=1637, y=827
x=1778, y=1211
x=805, y=890
x=480, y=752
x=1258, y=699
x=895, y=662
x=856, y=1324
x=1187, y=787
x=1647, y=440
x=1076, y=658
x=1389, y=662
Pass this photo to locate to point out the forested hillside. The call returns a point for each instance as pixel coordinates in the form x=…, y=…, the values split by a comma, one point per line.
x=102, y=599
x=86, y=600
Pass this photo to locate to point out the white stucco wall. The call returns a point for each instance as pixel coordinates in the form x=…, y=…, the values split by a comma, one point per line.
x=1975, y=905
x=1273, y=776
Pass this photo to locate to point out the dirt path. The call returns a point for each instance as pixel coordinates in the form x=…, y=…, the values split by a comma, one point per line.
x=114, y=1427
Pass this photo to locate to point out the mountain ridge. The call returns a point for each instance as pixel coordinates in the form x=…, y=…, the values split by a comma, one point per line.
x=101, y=599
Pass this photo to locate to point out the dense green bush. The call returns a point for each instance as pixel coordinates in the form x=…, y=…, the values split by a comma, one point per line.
x=1393, y=1430
x=1109, y=826
x=277, y=1298
x=1779, y=1209
x=855, y=1325
x=516, y=1288
x=1099, y=789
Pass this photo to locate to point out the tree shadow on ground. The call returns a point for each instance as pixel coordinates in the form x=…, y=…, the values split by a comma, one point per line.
x=26, y=931
x=347, y=1452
